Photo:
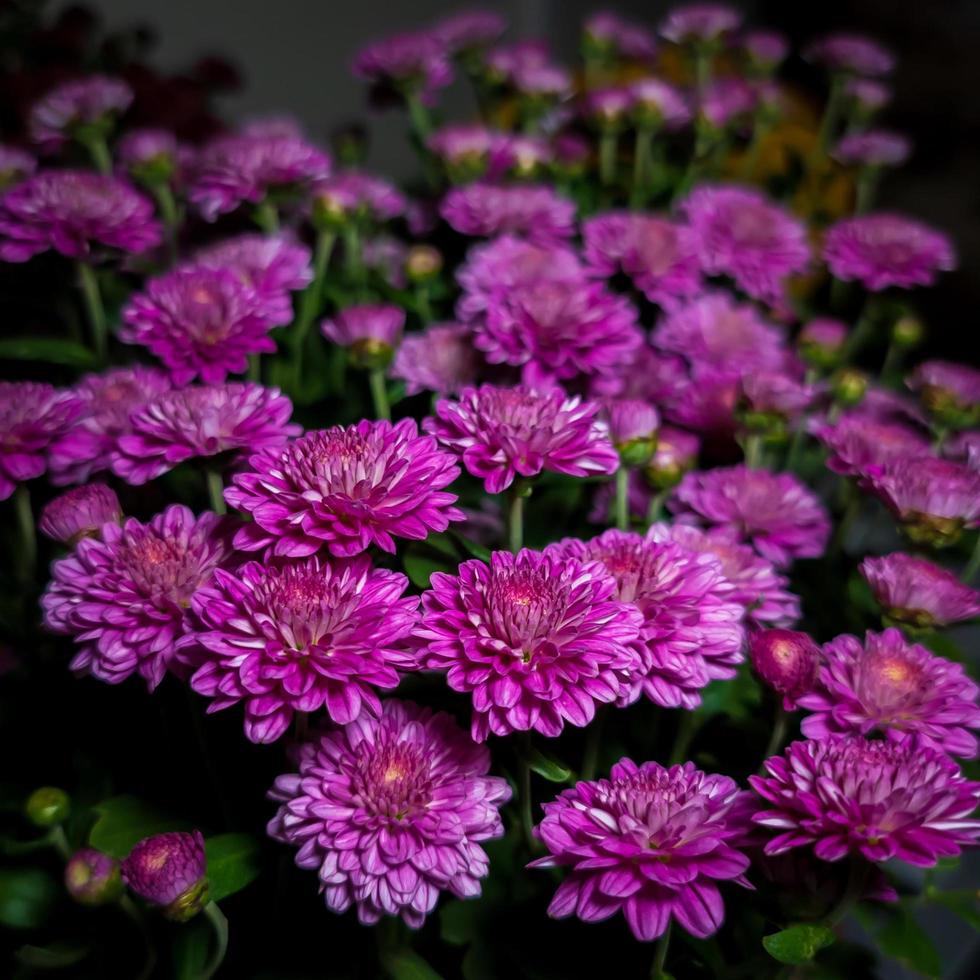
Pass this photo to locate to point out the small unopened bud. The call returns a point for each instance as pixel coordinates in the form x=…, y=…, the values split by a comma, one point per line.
x=170, y=871
x=47, y=806
x=371, y=333
x=93, y=878
x=849, y=387
x=908, y=331
x=785, y=660
x=821, y=342
x=633, y=428
x=676, y=453
x=80, y=513
x=423, y=263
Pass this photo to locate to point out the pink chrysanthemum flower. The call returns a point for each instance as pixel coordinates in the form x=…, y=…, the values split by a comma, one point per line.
x=506, y=60
x=32, y=417
x=741, y=234
x=274, y=266
x=882, y=250
x=705, y=401
x=80, y=513
x=917, y=593
x=880, y=800
x=169, y=870
x=649, y=842
x=200, y=422
x=125, y=598
x=658, y=255
x=76, y=213
x=369, y=331
x=413, y=63
x=660, y=103
x=757, y=585
x=346, y=489
x=153, y=155
x=698, y=23
x=15, y=165
x=625, y=38
x=859, y=445
x=302, y=636
x=873, y=148
x=534, y=211
x=607, y=106
x=691, y=630
x=891, y=686
x=359, y=195
x=503, y=433
x=851, y=54
x=729, y=102
x=391, y=811
x=715, y=330
x=867, y=95
x=85, y=103
x=632, y=423
x=787, y=661
x=465, y=147
x=650, y=376
x=441, y=359
x=820, y=343
x=234, y=170
x=201, y=322
x=781, y=518
x=469, y=29
x=774, y=393
x=537, y=639
x=949, y=391
x=765, y=49
x=560, y=331
x=108, y=400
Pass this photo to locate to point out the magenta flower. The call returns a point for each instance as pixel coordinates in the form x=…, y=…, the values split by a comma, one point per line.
x=76, y=213
x=776, y=394
x=765, y=49
x=741, y=234
x=699, y=23
x=867, y=94
x=607, y=106
x=441, y=359
x=757, y=585
x=546, y=83
x=108, y=400
x=80, y=513
x=880, y=800
x=371, y=331
x=346, y=489
x=169, y=870
x=787, y=661
x=301, y=636
x=624, y=38
x=891, y=686
x=234, y=170
x=859, y=445
x=125, y=598
x=503, y=433
x=658, y=255
x=532, y=210
x=201, y=322
x=199, y=422
x=777, y=514
x=821, y=342
x=915, y=592
x=949, y=391
x=465, y=147
x=705, y=401
x=469, y=29
x=360, y=195
x=691, y=630
x=850, y=54
x=69, y=110
x=648, y=842
x=152, y=154
x=390, y=811
x=537, y=639
x=729, y=102
x=32, y=417
x=882, y=250
x=506, y=61
x=92, y=878
x=15, y=165
x=413, y=64
x=873, y=148
x=274, y=266
x=660, y=103
x=631, y=423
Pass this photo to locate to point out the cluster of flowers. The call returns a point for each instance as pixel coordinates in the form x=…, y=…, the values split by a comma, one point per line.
x=591, y=338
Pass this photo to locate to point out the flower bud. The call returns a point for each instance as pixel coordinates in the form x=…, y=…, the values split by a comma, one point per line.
x=908, y=331
x=676, y=453
x=423, y=263
x=633, y=429
x=849, y=387
x=92, y=878
x=169, y=870
x=371, y=333
x=80, y=513
x=821, y=342
x=47, y=806
x=786, y=660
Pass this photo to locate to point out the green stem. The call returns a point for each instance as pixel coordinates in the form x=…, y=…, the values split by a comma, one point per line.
x=216, y=491
x=608, y=147
x=622, y=498
x=777, y=735
x=379, y=393
x=702, y=72
x=642, y=165
x=973, y=565
x=796, y=446
x=515, y=517
x=593, y=742
x=830, y=120
x=219, y=924
x=656, y=506
x=423, y=302
x=753, y=451
x=420, y=119
x=129, y=909
x=657, y=971
x=266, y=216
x=857, y=884
x=167, y=207
x=27, y=559
x=858, y=338
x=851, y=512
x=867, y=185
x=59, y=841
x=527, y=806
x=751, y=160
x=892, y=365
x=89, y=285
x=310, y=302
x=353, y=260
x=687, y=728
x=254, y=371
x=98, y=150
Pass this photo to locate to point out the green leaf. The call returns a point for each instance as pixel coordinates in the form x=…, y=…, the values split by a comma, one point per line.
x=26, y=897
x=191, y=945
x=53, y=350
x=123, y=821
x=472, y=547
x=459, y=922
x=548, y=767
x=54, y=957
x=403, y=964
x=233, y=863
x=798, y=944
x=906, y=941
x=419, y=564
x=738, y=698
x=965, y=904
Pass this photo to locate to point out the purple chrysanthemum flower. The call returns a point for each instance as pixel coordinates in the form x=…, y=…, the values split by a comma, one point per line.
x=705, y=401
x=761, y=590
x=631, y=422
x=882, y=250
x=607, y=106
x=240, y=417
x=441, y=359
x=691, y=630
x=730, y=101
x=92, y=878
x=560, y=330
x=233, y=170
x=774, y=393
x=868, y=95
x=650, y=376
x=873, y=148
x=741, y=234
x=859, y=445
x=781, y=518
x=714, y=330
x=155, y=153
x=698, y=23
x=880, y=800
x=84, y=103
x=32, y=417
x=371, y=331
x=766, y=49
x=75, y=212
x=503, y=433
x=660, y=103
x=625, y=38
x=414, y=64
x=894, y=687
x=355, y=194
x=301, y=636
x=851, y=54
x=917, y=593
x=108, y=400
x=506, y=60
x=390, y=811
x=820, y=342
x=658, y=255
x=15, y=165
x=80, y=513
x=125, y=597
x=346, y=489
x=649, y=842
x=200, y=321
x=274, y=266
x=787, y=661
x=462, y=32
x=169, y=870
x=531, y=210
x=537, y=639
x=949, y=391
x=465, y=147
